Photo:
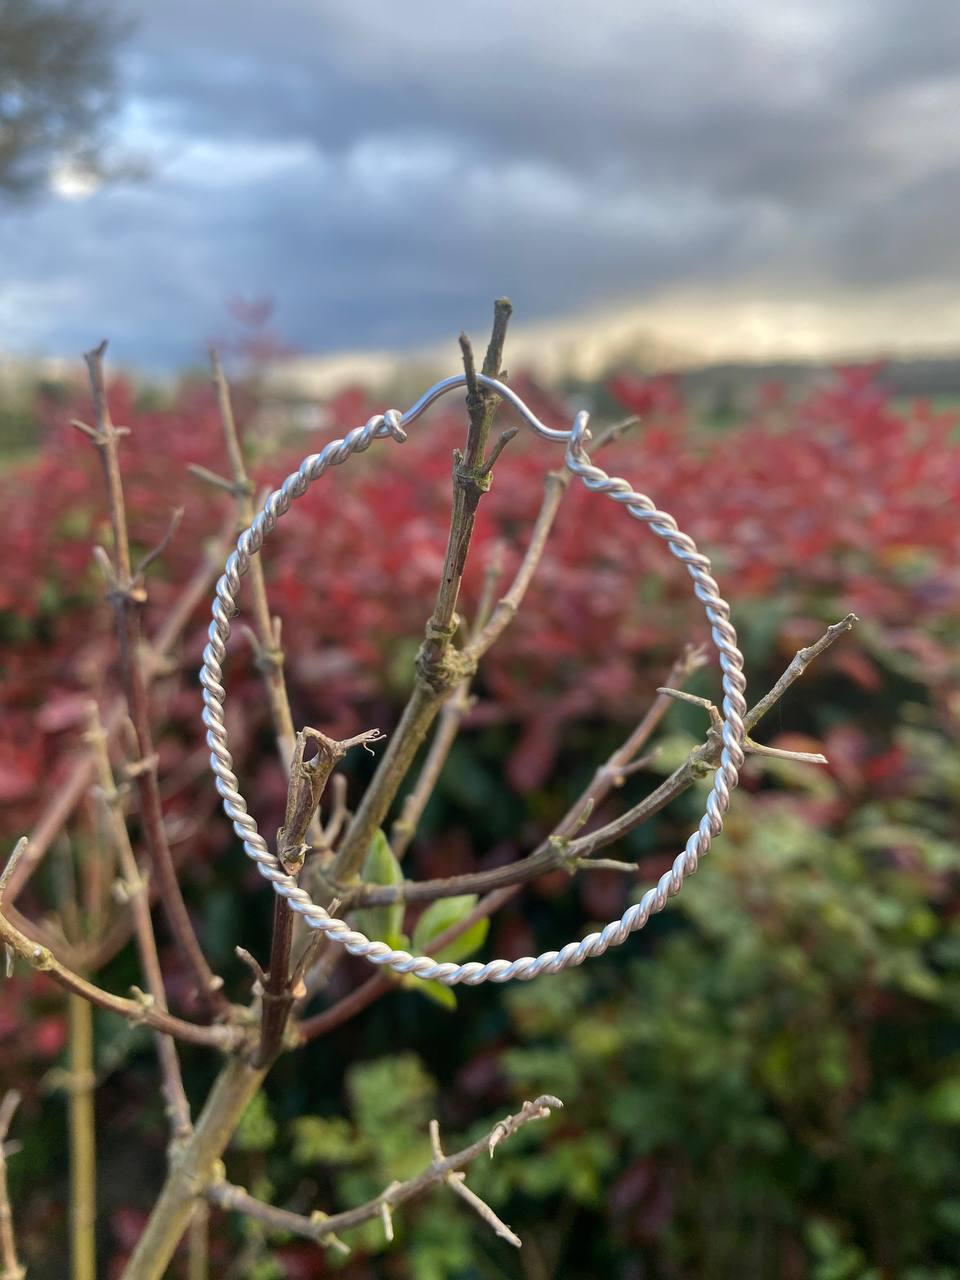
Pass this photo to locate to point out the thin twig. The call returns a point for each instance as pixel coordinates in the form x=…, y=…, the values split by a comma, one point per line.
x=74, y=786
x=308, y=779
x=440, y=669
x=80, y=1084
x=137, y=1011
x=269, y=651
x=325, y=1229
x=135, y=893
x=12, y=1269
x=128, y=600
x=799, y=664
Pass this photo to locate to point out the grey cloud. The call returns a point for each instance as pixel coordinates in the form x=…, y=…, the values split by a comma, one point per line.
x=383, y=169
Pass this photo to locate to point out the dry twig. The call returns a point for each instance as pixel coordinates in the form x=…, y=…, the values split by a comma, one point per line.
x=440, y=669
x=12, y=1269
x=325, y=1229
x=138, y=1010
x=136, y=895
x=128, y=597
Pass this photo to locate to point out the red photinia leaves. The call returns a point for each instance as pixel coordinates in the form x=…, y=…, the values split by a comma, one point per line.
x=839, y=501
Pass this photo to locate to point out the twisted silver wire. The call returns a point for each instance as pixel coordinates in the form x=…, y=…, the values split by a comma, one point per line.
x=394, y=424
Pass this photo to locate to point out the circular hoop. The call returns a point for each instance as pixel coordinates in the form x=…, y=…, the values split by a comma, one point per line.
x=393, y=424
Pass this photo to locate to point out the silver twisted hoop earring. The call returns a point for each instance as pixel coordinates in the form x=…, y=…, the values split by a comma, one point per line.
x=394, y=424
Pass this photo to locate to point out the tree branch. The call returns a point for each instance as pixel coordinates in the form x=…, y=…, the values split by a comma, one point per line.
x=74, y=786
x=324, y=1229
x=128, y=599
x=12, y=1270
x=308, y=779
x=269, y=651
x=560, y=849
x=135, y=892
x=439, y=668
x=80, y=1085
x=140, y=1010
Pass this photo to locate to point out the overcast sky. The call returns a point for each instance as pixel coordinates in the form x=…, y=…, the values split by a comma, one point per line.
x=383, y=169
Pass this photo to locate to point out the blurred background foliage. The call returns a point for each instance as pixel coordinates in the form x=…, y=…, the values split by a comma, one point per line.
x=766, y=1081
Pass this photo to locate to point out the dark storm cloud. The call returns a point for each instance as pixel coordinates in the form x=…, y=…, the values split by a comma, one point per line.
x=383, y=170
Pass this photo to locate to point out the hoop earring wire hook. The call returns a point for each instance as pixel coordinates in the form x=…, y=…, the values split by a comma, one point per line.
x=641, y=508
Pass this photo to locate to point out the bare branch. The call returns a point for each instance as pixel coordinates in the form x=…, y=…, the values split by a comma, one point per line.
x=178, y=1108
x=562, y=848
x=80, y=1083
x=140, y=1010
x=270, y=652
x=706, y=756
x=308, y=779
x=801, y=661
x=128, y=603
x=506, y=607
x=12, y=1269
x=325, y=1229
x=439, y=668
x=348, y=1007
x=448, y=726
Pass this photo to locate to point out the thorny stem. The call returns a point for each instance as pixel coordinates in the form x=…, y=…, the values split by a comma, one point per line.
x=439, y=670
x=80, y=1085
x=324, y=1229
x=135, y=890
x=12, y=1269
x=128, y=597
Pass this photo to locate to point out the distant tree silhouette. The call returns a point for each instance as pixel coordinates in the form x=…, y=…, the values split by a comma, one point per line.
x=57, y=91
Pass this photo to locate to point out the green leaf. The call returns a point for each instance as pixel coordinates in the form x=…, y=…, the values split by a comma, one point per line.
x=435, y=991
x=439, y=917
x=381, y=867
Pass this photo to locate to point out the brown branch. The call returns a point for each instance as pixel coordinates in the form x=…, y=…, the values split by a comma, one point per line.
x=269, y=651
x=798, y=665
x=448, y=726
x=506, y=607
x=308, y=779
x=560, y=849
x=140, y=1010
x=80, y=1084
x=196, y=1166
x=136, y=894
x=128, y=600
x=71, y=790
x=492, y=621
x=344, y=1009
x=12, y=1269
x=439, y=668
x=324, y=1229
x=707, y=756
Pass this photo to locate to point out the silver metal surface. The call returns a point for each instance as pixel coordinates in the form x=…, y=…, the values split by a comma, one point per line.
x=638, y=505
